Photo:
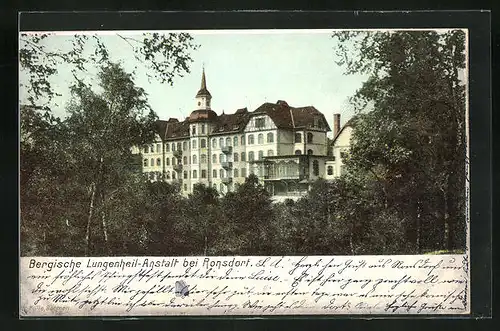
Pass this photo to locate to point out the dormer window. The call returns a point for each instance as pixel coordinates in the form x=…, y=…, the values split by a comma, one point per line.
x=260, y=122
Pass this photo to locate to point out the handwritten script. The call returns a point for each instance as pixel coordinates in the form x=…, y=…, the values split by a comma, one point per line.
x=434, y=284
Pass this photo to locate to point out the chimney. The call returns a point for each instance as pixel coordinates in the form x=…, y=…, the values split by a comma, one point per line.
x=336, y=124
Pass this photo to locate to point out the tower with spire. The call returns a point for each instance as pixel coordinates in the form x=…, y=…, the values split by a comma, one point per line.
x=203, y=97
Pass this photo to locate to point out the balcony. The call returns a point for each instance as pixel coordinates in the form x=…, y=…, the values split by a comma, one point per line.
x=178, y=167
x=227, y=149
x=178, y=153
x=227, y=180
x=227, y=165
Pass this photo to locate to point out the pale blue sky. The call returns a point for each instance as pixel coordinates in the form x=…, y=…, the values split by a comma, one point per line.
x=243, y=70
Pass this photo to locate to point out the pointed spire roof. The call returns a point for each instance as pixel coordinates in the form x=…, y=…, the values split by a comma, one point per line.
x=203, y=89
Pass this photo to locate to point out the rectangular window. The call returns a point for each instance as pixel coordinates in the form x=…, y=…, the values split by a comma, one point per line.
x=235, y=173
x=195, y=174
x=158, y=148
x=203, y=174
x=260, y=122
x=203, y=129
x=214, y=173
x=243, y=172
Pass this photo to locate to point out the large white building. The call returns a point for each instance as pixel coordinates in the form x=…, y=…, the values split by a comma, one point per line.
x=286, y=147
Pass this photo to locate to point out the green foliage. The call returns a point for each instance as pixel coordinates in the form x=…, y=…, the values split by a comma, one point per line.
x=412, y=143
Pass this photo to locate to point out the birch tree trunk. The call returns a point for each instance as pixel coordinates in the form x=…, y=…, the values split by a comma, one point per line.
x=89, y=219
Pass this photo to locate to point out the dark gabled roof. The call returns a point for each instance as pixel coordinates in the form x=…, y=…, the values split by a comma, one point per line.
x=284, y=117
x=172, y=129
x=287, y=117
x=231, y=122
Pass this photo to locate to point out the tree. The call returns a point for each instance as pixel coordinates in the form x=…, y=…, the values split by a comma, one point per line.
x=248, y=213
x=164, y=56
x=413, y=141
x=198, y=230
x=41, y=57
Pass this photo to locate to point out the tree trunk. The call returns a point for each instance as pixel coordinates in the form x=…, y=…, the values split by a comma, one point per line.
x=446, y=214
x=104, y=227
x=89, y=220
x=419, y=229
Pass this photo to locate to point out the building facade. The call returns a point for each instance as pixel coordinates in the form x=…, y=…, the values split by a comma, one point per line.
x=285, y=147
x=339, y=147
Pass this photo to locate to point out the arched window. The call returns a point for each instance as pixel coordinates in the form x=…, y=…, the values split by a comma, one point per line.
x=193, y=130
x=152, y=148
x=261, y=155
x=221, y=158
x=270, y=137
x=214, y=143
x=235, y=173
x=194, y=144
x=195, y=159
x=152, y=163
x=316, y=168
x=203, y=174
x=309, y=152
x=145, y=162
x=215, y=186
x=168, y=175
x=250, y=156
x=242, y=140
x=221, y=188
x=203, y=129
x=243, y=158
x=167, y=147
x=168, y=161
x=179, y=146
x=173, y=160
x=221, y=142
x=270, y=152
x=309, y=137
x=203, y=143
x=195, y=174
x=203, y=158
x=235, y=141
x=173, y=147
x=330, y=170
x=214, y=173
x=298, y=138
x=221, y=173
x=250, y=139
x=214, y=158
x=260, y=138
x=158, y=148
x=173, y=175
x=228, y=141
x=184, y=146
x=298, y=152
x=146, y=149
x=185, y=160
x=158, y=162
x=235, y=157
x=185, y=174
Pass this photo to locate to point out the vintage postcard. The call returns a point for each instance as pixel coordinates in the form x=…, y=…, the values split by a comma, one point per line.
x=244, y=172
